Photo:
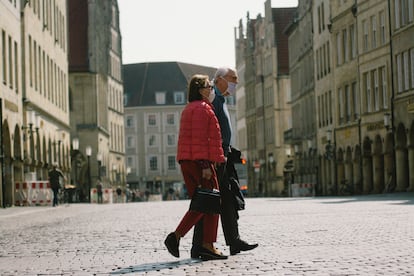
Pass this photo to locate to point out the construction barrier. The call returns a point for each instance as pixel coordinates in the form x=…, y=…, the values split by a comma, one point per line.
x=106, y=195
x=33, y=193
x=302, y=189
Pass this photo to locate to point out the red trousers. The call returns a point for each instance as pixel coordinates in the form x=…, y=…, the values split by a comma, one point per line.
x=192, y=172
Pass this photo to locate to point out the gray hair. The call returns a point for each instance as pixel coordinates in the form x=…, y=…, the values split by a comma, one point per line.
x=221, y=72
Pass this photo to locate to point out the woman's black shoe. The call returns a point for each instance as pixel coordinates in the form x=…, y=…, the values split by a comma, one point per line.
x=207, y=255
x=172, y=244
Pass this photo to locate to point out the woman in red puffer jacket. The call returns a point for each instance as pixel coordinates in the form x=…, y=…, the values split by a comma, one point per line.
x=199, y=149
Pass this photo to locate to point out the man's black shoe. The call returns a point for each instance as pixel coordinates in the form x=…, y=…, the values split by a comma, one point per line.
x=207, y=255
x=172, y=244
x=195, y=251
x=241, y=245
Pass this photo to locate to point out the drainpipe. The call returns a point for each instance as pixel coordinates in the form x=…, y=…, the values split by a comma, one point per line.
x=394, y=174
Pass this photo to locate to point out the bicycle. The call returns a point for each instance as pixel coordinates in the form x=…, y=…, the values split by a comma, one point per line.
x=346, y=188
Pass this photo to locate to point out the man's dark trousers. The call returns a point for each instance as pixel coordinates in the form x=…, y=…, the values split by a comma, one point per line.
x=229, y=214
x=55, y=196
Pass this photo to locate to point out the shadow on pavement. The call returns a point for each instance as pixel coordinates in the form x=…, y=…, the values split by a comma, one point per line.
x=154, y=266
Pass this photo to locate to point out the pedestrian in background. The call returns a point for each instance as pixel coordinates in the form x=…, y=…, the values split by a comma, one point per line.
x=99, y=191
x=55, y=176
x=199, y=149
x=225, y=82
x=118, y=194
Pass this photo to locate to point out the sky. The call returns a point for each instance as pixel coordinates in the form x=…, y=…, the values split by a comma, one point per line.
x=200, y=32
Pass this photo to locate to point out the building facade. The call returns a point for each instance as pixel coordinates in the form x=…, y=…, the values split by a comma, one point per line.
x=264, y=48
x=301, y=61
x=401, y=118
x=34, y=108
x=363, y=64
x=351, y=72
x=96, y=95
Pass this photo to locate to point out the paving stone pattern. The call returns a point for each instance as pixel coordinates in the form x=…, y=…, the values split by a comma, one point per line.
x=364, y=235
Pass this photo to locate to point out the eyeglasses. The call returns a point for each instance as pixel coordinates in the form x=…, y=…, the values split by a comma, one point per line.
x=209, y=87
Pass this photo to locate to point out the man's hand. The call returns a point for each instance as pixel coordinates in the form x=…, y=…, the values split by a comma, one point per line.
x=207, y=173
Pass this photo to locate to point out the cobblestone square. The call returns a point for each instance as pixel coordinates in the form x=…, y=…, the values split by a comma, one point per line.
x=364, y=235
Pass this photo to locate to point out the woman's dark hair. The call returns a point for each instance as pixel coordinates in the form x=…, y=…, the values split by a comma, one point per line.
x=197, y=82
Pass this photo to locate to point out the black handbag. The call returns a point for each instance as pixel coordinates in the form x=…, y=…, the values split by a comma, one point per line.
x=206, y=201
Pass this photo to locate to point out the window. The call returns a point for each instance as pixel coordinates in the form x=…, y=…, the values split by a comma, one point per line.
x=348, y=103
x=340, y=105
x=374, y=31
x=130, y=162
x=323, y=16
x=399, y=73
x=16, y=66
x=130, y=141
x=403, y=12
x=412, y=67
x=382, y=27
x=367, y=77
x=338, y=49
x=328, y=54
x=171, y=140
x=318, y=62
x=153, y=163
x=406, y=72
x=345, y=45
x=355, y=99
x=129, y=121
x=319, y=19
x=353, y=41
x=3, y=54
x=330, y=107
x=172, y=164
x=376, y=90
x=152, y=141
x=126, y=99
x=410, y=11
x=152, y=120
x=384, y=87
x=10, y=63
x=30, y=62
x=170, y=119
x=365, y=35
x=160, y=97
x=397, y=13
x=179, y=98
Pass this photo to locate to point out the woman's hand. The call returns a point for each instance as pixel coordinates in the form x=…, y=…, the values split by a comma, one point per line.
x=207, y=173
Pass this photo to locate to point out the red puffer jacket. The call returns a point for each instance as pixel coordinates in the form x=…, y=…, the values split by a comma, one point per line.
x=200, y=137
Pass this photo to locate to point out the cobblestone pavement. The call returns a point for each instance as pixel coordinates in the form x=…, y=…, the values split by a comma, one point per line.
x=364, y=235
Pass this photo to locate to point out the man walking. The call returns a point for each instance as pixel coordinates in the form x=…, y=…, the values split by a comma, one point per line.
x=54, y=178
x=225, y=81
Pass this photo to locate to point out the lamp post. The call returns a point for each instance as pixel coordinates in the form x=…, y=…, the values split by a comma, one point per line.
x=99, y=158
x=88, y=151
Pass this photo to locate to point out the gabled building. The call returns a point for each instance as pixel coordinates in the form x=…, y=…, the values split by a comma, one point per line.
x=96, y=94
x=155, y=95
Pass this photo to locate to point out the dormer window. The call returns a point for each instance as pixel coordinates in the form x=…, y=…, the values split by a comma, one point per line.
x=160, y=97
x=179, y=97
